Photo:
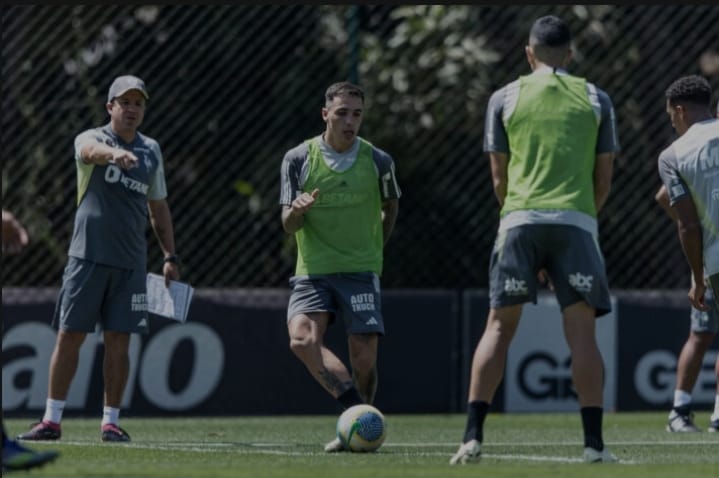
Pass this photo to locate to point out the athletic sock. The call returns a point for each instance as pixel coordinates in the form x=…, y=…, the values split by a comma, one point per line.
x=592, y=425
x=53, y=410
x=476, y=413
x=715, y=415
x=110, y=415
x=682, y=398
x=350, y=397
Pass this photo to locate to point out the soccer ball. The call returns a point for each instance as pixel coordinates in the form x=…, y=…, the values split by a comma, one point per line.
x=361, y=428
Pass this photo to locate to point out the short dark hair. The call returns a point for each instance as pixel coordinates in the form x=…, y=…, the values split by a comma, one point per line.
x=693, y=89
x=343, y=88
x=550, y=31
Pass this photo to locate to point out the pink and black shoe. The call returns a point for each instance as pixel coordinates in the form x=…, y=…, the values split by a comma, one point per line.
x=112, y=432
x=41, y=431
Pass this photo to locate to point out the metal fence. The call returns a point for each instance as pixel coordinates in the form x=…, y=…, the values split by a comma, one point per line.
x=233, y=87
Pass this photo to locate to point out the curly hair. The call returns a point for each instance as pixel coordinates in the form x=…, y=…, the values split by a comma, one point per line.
x=693, y=89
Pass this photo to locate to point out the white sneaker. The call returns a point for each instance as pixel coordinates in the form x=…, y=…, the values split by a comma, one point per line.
x=713, y=426
x=595, y=456
x=334, y=446
x=469, y=452
x=681, y=420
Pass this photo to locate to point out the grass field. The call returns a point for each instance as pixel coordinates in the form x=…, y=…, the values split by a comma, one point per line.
x=516, y=445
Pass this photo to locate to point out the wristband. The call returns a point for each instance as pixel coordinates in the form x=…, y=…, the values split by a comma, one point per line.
x=174, y=258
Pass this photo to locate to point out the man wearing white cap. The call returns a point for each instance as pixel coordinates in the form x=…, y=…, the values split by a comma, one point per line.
x=120, y=178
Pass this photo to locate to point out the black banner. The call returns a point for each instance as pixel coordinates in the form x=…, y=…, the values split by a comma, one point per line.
x=232, y=357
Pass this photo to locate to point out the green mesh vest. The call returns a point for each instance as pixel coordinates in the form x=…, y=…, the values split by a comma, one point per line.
x=552, y=143
x=342, y=232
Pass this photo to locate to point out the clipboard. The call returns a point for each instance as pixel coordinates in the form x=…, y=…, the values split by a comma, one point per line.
x=172, y=302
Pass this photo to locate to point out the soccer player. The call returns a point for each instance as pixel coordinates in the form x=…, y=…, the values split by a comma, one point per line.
x=120, y=178
x=551, y=139
x=689, y=169
x=339, y=197
x=14, y=455
x=704, y=326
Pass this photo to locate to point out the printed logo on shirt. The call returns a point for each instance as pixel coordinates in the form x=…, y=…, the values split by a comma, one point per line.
x=709, y=156
x=144, y=153
x=677, y=190
x=340, y=199
x=114, y=174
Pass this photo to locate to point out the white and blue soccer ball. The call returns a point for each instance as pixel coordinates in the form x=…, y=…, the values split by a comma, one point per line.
x=361, y=428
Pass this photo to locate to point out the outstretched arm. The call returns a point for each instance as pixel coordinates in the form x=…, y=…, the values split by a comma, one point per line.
x=101, y=154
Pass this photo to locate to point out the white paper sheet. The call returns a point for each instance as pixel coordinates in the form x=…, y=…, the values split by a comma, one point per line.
x=172, y=302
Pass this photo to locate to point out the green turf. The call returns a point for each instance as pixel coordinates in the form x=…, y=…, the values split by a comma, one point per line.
x=516, y=445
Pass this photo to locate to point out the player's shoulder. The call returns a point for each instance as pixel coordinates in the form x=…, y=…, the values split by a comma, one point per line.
x=98, y=133
x=298, y=152
x=377, y=152
x=505, y=90
x=603, y=96
x=668, y=155
x=503, y=100
x=148, y=141
x=381, y=157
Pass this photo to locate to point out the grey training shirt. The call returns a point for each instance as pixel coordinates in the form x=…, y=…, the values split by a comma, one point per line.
x=689, y=167
x=111, y=217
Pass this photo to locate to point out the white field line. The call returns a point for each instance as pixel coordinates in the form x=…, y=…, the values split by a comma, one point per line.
x=610, y=444
x=285, y=449
x=256, y=445
x=265, y=449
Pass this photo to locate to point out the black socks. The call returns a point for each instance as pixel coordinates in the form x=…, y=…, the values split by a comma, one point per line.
x=592, y=425
x=476, y=413
x=350, y=397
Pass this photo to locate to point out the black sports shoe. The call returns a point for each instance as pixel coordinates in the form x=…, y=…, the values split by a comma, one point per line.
x=43, y=430
x=111, y=432
x=681, y=419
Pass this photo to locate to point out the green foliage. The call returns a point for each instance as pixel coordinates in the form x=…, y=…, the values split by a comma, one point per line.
x=235, y=86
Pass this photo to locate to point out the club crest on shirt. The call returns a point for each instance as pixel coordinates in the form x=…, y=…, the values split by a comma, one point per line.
x=146, y=159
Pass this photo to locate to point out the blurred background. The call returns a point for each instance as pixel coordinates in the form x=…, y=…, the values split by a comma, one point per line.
x=233, y=87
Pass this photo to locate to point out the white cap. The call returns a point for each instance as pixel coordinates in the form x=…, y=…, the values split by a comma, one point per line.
x=125, y=83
